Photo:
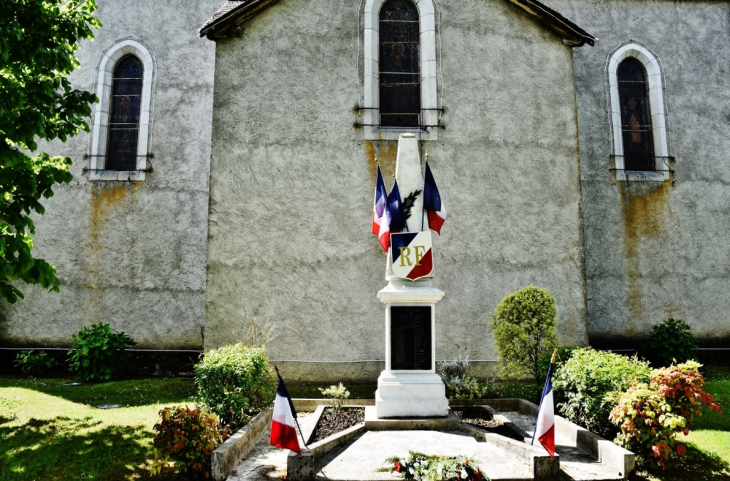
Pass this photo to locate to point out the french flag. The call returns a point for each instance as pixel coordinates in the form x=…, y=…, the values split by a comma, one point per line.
x=283, y=432
x=435, y=208
x=381, y=216
x=545, y=428
x=379, y=202
x=397, y=216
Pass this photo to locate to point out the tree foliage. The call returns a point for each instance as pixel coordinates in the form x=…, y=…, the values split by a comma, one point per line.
x=524, y=329
x=38, y=41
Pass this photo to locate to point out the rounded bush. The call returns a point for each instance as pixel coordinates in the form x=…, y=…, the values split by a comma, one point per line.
x=235, y=383
x=589, y=383
x=524, y=329
x=98, y=352
x=671, y=341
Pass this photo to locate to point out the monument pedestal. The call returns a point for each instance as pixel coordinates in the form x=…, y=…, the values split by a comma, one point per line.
x=409, y=386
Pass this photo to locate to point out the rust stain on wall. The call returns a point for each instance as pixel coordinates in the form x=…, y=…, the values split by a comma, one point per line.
x=644, y=213
x=386, y=151
x=104, y=200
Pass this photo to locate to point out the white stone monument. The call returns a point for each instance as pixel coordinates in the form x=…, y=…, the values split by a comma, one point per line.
x=409, y=386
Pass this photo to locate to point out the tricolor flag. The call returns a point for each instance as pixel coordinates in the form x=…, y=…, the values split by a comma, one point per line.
x=395, y=209
x=435, y=208
x=283, y=432
x=379, y=202
x=545, y=427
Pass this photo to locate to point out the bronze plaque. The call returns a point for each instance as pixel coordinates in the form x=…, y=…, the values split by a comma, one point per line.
x=410, y=338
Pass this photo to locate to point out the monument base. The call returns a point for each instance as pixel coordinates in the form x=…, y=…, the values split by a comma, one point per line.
x=403, y=395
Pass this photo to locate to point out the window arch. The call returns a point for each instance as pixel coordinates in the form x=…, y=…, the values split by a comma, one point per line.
x=638, y=120
x=120, y=137
x=400, y=69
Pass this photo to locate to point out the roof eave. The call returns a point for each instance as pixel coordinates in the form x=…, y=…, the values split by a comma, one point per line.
x=217, y=28
x=572, y=34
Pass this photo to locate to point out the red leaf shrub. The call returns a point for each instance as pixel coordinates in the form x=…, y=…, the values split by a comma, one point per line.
x=650, y=415
x=186, y=439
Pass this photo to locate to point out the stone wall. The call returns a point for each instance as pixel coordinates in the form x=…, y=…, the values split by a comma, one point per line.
x=292, y=184
x=658, y=249
x=133, y=254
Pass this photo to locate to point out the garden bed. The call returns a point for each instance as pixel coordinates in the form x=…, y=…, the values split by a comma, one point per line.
x=484, y=420
x=332, y=422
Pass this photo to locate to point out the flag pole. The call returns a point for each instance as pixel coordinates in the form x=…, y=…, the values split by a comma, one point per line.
x=294, y=414
x=423, y=203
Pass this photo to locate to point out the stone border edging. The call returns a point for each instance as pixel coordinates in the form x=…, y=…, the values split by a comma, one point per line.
x=227, y=456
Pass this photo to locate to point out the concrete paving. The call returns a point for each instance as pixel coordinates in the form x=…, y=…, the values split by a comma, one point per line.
x=360, y=458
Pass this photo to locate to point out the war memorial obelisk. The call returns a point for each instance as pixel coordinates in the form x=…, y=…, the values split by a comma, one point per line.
x=409, y=386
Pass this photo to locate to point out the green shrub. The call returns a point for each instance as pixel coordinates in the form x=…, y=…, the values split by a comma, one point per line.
x=33, y=363
x=185, y=440
x=589, y=383
x=524, y=329
x=543, y=362
x=234, y=382
x=671, y=341
x=97, y=352
x=650, y=415
x=337, y=395
x=461, y=387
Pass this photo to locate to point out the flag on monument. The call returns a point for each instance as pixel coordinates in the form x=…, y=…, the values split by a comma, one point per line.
x=545, y=427
x=379, y=202
x=283, y=432
x=395, y=209
x=435, y=208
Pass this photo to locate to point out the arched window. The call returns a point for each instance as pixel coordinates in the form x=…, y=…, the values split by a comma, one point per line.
x=120, y=134
x=636, y=131
x=400, y=69
x=640, y=145
x=123, y=136
x=399, y=65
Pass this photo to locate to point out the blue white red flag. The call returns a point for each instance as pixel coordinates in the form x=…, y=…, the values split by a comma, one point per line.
x=395, y=209
x=379, y=202
x=432, y=203
x=545, y=427
x=283, y=431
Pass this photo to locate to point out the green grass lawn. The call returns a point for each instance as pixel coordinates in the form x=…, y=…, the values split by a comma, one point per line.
x=49, y=431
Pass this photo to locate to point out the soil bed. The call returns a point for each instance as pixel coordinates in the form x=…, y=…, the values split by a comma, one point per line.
x=483, y=419
x=331, y=423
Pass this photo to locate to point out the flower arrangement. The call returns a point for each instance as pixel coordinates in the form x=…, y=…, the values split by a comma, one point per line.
x=421, y=466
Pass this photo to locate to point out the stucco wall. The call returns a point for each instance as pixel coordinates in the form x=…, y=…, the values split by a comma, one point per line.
x=292, y=183
x=133, y=254
x=658, y=250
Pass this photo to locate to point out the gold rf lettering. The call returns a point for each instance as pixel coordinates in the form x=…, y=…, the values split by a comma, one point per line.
x=405, y=255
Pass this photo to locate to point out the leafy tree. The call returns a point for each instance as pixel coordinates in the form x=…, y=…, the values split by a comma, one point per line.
x=38, y=41
x=524, y=330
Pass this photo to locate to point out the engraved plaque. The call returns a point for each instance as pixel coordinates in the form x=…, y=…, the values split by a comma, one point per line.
x=410, y=338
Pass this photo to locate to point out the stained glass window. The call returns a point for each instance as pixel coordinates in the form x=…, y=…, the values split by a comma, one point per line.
x=633, y=91
x=400, y=65
x=121, y=152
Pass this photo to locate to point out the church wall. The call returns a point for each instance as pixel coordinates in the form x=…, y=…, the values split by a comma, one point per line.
x=656, y=250
x=292, y=185
x=133, y=254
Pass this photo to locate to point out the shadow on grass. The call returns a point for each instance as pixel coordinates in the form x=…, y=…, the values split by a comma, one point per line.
x=55, y=450
x=696, y=465
x=127, y=392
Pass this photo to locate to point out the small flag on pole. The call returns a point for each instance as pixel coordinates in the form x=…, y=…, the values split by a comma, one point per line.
x=379, y=202
x=432, y=203
x=395, y=209
x=545, y=427
x=283, y=430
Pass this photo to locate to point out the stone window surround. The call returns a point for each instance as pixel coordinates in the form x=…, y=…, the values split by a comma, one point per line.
x=112, y=54
x=429, y=97
x=657, y=111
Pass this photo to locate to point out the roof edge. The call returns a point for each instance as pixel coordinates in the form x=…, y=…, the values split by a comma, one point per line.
x=572, y=34
x=247, y=9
